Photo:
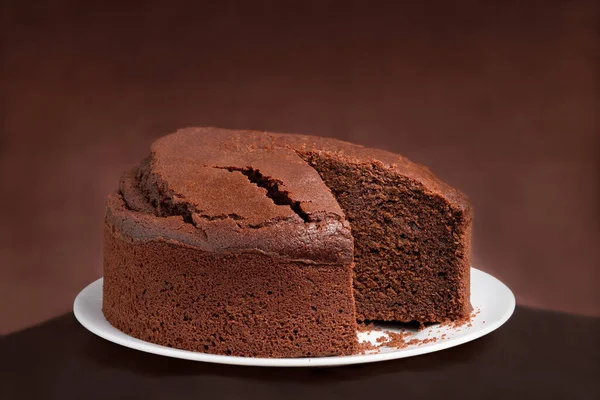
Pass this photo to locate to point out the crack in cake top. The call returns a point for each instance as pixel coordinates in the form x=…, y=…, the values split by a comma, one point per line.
x=246, y=176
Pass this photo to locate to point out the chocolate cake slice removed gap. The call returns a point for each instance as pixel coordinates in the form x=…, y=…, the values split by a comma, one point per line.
x=410, y=245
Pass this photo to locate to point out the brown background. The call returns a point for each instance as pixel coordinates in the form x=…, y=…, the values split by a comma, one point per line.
x=500, y=99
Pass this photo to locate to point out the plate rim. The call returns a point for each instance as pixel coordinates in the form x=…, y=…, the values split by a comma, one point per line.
x=125, y=340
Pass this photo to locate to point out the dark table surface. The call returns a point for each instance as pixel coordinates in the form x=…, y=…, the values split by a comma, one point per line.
x=536, y=354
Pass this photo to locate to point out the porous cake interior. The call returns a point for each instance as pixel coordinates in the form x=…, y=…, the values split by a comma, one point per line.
x=407, y=243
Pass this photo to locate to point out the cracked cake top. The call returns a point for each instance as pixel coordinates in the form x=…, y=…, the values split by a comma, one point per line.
x=247, y=177
x=228, y=191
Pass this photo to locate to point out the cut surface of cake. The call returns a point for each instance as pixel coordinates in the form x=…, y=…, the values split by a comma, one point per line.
x=260, y=244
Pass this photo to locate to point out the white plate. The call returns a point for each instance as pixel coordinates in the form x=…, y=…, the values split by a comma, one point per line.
x=494, y=303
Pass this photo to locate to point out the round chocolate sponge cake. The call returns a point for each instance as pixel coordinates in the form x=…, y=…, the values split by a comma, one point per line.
x=273, y=245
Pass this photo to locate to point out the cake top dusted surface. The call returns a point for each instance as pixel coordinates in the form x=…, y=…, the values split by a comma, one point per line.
x=240, y=175
x=227, y=191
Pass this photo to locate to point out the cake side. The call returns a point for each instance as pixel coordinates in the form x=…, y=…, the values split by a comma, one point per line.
x=241, y=304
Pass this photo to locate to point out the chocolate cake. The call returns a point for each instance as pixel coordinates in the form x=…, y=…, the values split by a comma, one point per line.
x=273, y=245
